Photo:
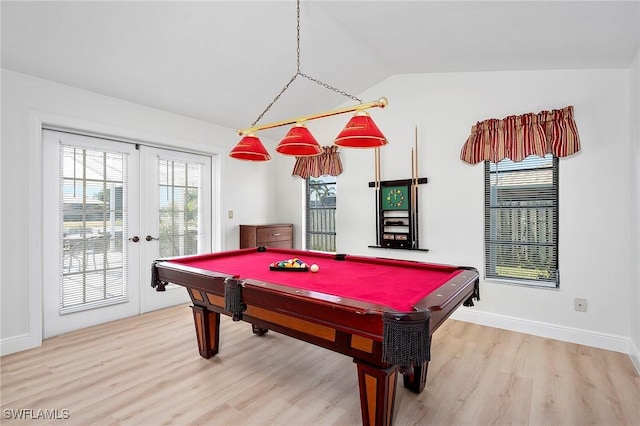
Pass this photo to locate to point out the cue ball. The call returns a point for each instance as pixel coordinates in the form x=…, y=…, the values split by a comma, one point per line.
x=314, y=268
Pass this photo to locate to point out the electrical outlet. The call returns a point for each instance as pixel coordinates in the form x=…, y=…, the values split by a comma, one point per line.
x=230, y=214
x=580, y=305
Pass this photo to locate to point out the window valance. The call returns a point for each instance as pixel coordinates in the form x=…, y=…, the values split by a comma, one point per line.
x=518, y=136
x=326, y=163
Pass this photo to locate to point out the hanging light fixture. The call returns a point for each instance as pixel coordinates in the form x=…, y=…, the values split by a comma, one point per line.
x=360, y=132
x=299, y=142
x=250, y=148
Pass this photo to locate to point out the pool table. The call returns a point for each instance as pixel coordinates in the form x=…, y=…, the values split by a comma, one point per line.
x=381, y=312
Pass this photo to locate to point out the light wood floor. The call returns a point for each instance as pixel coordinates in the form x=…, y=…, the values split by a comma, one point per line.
x=146, y=371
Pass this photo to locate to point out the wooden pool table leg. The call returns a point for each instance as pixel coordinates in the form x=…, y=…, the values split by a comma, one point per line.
x=416, y=380
x=207, y=330
x=377, y=393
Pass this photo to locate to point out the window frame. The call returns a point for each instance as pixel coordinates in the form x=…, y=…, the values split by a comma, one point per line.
x=492, y=259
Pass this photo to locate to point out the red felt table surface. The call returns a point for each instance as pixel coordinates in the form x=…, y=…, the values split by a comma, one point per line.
x=394, y=283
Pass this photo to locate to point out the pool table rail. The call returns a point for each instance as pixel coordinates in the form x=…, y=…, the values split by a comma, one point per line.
x=347, y=315
x=323, y=321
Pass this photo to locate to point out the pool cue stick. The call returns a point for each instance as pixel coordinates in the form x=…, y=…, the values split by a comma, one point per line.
x=378, y=194
x=412, y=195
x=416, y=231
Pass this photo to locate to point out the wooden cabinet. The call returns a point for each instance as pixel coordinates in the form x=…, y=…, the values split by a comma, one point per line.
x=274, y=235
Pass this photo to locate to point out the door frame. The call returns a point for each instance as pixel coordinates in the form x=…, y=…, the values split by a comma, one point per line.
x=37, y=121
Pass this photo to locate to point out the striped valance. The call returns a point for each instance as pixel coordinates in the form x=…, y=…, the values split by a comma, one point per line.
x=326, y=163
x=518, y=136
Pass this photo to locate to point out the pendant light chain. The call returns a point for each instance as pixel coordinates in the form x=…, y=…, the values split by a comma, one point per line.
x=300, y=73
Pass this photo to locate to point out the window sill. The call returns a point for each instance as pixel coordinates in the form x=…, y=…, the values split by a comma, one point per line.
x=523, y=283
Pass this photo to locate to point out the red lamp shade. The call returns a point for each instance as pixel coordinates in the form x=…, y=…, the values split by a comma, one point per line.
x=250, y=149
x=361, y=132
x=299, y=142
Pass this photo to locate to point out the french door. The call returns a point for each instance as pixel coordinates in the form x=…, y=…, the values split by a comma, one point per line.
x=178, y=202
x=110, y=209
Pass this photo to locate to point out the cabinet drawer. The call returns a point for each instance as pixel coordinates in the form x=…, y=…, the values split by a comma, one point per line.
x=268, y=235
x=271, y=234
x=277, y=244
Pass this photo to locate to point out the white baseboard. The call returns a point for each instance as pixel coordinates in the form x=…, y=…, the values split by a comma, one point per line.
x=551, y=331
x=18, y=343
x=634, y=354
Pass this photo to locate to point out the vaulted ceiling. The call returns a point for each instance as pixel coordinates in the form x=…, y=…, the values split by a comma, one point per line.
x=225, y=61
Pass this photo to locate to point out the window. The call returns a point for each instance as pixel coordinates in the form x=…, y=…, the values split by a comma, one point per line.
x=521, y=221
x=321, y=214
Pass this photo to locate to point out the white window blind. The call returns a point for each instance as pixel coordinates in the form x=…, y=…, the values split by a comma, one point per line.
x=521, y=221
x=180, y=205
x=93, y=216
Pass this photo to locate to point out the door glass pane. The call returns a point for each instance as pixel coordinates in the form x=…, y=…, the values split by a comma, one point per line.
x=180, y=205
x=93, y=221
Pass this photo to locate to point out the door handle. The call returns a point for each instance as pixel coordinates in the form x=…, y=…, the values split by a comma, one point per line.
x=135, y=239
x=149, y=238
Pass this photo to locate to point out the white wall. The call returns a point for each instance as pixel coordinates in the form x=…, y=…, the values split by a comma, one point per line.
x=289, y=192
x=242, y=187
x=598, y=255
x=596, y=251
x=634, y=119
